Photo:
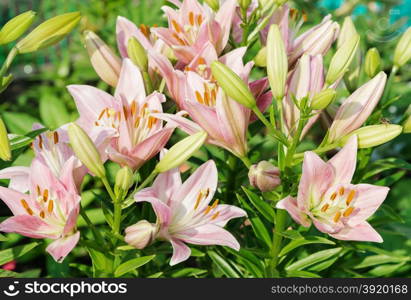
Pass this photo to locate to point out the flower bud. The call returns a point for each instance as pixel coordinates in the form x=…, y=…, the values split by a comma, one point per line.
x=374, y=135
x=124, y=180
x=140, y=234
x=181, y=151
x=407, y=125
x=105, y=62
x=342, y=59
x=14, y=28
x=5, y=153
x=244, y=4
x=213, y=4
x=232, y=84
x=5, y=82
x=49, y=32
x=323, y=99
x=85, y=150
x=277, y=62
x=137, y=54
x=347, y=32
x=264, y=176
x=402, y=53
x=372, y=62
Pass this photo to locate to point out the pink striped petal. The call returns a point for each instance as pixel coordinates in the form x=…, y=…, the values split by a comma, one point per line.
x=226, y=213
x=125, y=29
x=12, y=199
x=344, y=162
x=290, y=204
x=19, y=178
x=29, y=226
x=130, y=84
x=181, y=252
x=163, y=212
x=361, y=232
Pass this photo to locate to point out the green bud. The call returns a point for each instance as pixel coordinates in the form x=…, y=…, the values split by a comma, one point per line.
x=5, y=152
x=181, y=151
x=372, y=62
x=347, y=32
x=85, y=150
x=277, y=62
x=137, y=54
x=402, y=53
x=374, y=135
x=49, y=32
x=323, y=99
x=16, y=27
x=342, y=59
x=124, y=180
x=5, y=82
x=213, y=4
x=261, y=58
x=244, y=4
x=407, y=125
x=232, y=84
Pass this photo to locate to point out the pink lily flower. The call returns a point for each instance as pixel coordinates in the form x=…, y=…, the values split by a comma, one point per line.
x=50, y=209
x=192, y=25
x=52, y=149
x=327, y=198
x=184, y=214
x=123, y=125
x=196, y=91
x=356, y=109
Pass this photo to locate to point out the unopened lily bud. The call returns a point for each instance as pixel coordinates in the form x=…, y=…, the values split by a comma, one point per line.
x=85, y=150
x=232, y=84
x=407, y=125
x=323, y=99
x=277, y=62
x=260, y=59
x=137, y=54
x=372, y=62
x=141, y=234
x=213, y=4
x=347, y=32
x=374, y=135
x=342, y=59
x=124, y=180
x=181, y=151
x=244, y=4
x=105, y=62
x=49, y=32
x=402, y=53
x=15, y=28
x=264, y=176
x=5, y=153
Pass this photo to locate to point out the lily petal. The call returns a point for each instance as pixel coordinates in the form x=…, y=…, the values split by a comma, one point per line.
x=344, y=162
x=181, y=252
x=29, y=226
x=290, y=204
x=361, y=232
x=60, y=248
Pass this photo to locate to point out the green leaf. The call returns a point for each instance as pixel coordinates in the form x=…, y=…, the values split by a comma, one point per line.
x=19, y=123
x=188, y=272
x=379, y=260
x=155, y=275
x=302, y=274
x=304, y=241
x=260, y=230
x=132, y=265
x=25, y=140
x=385, y=270
x=263, y=207
x=15, y=252
x=53, y=112
x=3, y=238
x=385, y=165
x=391, y=179
x=313, y=259
x=102, y=263
x=223, y=265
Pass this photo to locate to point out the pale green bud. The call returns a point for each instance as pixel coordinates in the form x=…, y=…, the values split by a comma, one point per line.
x=124, y=180
x=277, y=62
x=213, y=4
x=5, y=152
x=261, y=58
x=137, y=54
x=140, y=234
x=232, y=84
x=85, y=150
x=16, y=27
x=347, y=32
x=49, y=32
x=407, y=125
x=244, y=4
x=181, y=151
x=264, y=176
x=322, y=99
x=374, y=135
x=402, y=53
x=342, y=59
x=372, y=62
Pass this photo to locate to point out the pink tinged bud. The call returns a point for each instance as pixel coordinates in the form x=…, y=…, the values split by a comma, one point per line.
x=264, y=176
x=356, y=109
x=140, y=234
x=105, y=62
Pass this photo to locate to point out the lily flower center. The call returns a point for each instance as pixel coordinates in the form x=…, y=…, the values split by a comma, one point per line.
x=209, y=95
x=49, y=145
x=187, y=34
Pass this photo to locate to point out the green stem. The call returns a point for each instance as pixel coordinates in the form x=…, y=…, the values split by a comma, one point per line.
x=271, y=129
x=261, y=25
x=9, y=59
x=281, y=219
x=90, y=224
x=109, y=189
x=117, y=215
x=318, y=150
x=148, y=180
x=387, y=91
x=148, y=82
